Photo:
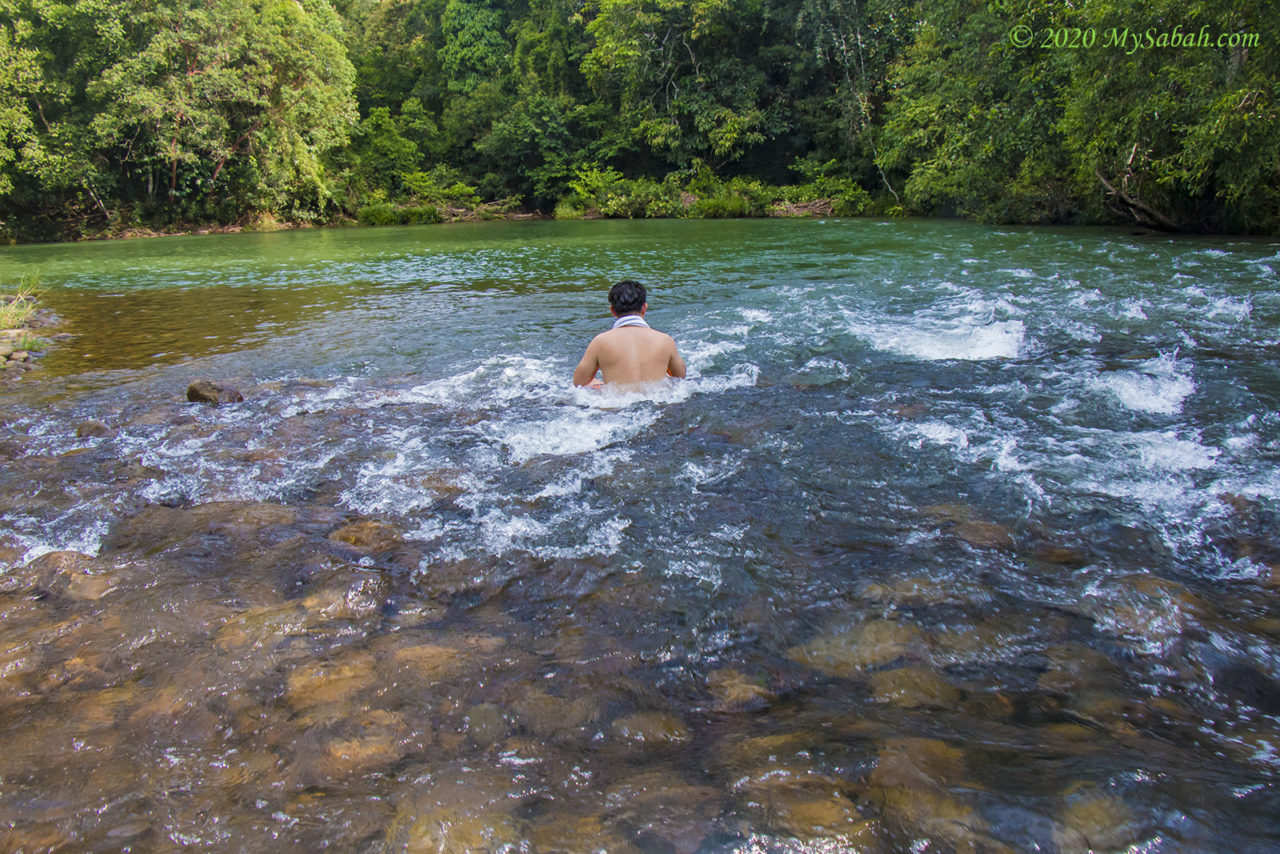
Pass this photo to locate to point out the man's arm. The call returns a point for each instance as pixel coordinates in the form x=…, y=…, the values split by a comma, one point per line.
x=675, y=365
x=586, y=370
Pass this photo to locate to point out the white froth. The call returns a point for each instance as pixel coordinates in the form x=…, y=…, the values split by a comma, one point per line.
x=1134, y=309
x=1170, y=452
x=1230, y=308
x=1159, y=386
x=574, y=432
x=964, y=339
x=699, y=569
x=600, y=465
x=939, y=433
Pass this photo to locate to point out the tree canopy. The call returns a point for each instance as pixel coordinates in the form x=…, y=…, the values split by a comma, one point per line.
x=158, y=112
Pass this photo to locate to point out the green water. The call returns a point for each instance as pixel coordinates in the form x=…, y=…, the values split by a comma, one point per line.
x=956, y=537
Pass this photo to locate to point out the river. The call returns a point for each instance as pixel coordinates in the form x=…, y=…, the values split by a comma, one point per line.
x=956, y=538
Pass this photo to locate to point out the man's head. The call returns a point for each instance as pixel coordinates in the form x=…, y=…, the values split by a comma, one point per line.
x=627, y=297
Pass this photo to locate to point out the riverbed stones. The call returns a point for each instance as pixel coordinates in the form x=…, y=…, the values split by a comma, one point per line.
x=369, y=741
x=1094, y=821
x=1147, y=608
x=549, y=716
x=913, y=781
x=664, y=811
x=650, y=730
x=76, y=575
x=326, y=690
x=1075, y=668
x=914, y=688
x=460, y=808
x=486, y=724
x=846, y=652
x=966, y=524
x=368, y=535
x=213, y=393
x=93, y=430
x=564, y=832
x=734, y=691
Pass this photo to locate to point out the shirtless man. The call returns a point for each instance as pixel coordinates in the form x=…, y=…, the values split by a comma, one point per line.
x=630, y=352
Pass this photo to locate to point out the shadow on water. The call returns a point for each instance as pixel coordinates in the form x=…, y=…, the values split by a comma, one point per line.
x=956, y=538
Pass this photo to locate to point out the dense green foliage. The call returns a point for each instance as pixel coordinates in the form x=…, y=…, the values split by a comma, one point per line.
x=161, y=112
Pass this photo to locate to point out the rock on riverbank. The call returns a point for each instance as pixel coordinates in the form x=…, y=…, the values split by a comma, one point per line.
x=21, y=346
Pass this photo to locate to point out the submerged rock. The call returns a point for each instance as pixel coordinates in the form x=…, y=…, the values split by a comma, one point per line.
x=369, y=741
x=663, y=811
x=548, y=716
x=914, y=688
x=735, y=691
x=94, y=430
x=563, y=832
x=73, y=574
x=1094, y=821
x=917, y=763
x=650, y=729
x=985, y=535
x=808, y=815
x=461, y=809
x=208, y=391
x=368, y=535
x=847, y=652
x=913, y=781
x=332, y=689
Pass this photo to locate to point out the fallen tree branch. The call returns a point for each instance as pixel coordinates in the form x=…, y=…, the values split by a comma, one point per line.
x=1136, y=207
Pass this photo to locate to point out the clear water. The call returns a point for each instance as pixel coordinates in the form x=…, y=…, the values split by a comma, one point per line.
x=955, y=537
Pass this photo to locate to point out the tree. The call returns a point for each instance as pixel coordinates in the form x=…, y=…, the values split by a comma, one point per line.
x=260, y=86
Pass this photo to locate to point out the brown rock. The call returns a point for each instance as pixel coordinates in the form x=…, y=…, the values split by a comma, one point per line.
x=985, y=535
x=370, y=741
x=368, y=535
x=465, y=808
x=734, y=691
x=914, y=688
x=77, y=575
x=664, y=811
x=327, y=689
x=847, y=652
x=917, y=763
x=809, y=815
x=548, y=716
x=650, y=729
x=94, y=430
x=1093, y=821
x=208, y=391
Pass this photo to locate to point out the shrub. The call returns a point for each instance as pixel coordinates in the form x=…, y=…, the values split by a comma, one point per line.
x=568, y=209
x=385, y=213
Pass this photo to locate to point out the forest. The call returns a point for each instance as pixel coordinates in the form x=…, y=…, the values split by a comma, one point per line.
x=129, y=114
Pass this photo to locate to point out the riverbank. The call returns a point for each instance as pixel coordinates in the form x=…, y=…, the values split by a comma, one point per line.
x=24, y=333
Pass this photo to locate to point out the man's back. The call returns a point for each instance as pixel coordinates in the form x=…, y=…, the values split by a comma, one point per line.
x=630, y=354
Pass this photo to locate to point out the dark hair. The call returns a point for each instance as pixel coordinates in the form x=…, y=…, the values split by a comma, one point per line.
x=627, y=297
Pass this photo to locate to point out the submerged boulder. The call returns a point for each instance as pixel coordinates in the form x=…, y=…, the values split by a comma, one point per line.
x=94, y=430
x=76, y=575
x=849, y=651
x=208, y=391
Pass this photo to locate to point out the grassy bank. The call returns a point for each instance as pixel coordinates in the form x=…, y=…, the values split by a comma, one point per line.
x=18, y=306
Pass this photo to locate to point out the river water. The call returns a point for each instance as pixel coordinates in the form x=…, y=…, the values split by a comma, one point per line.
x=955, y=538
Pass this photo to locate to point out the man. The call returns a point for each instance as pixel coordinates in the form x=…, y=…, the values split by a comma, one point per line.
x=630, y=352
